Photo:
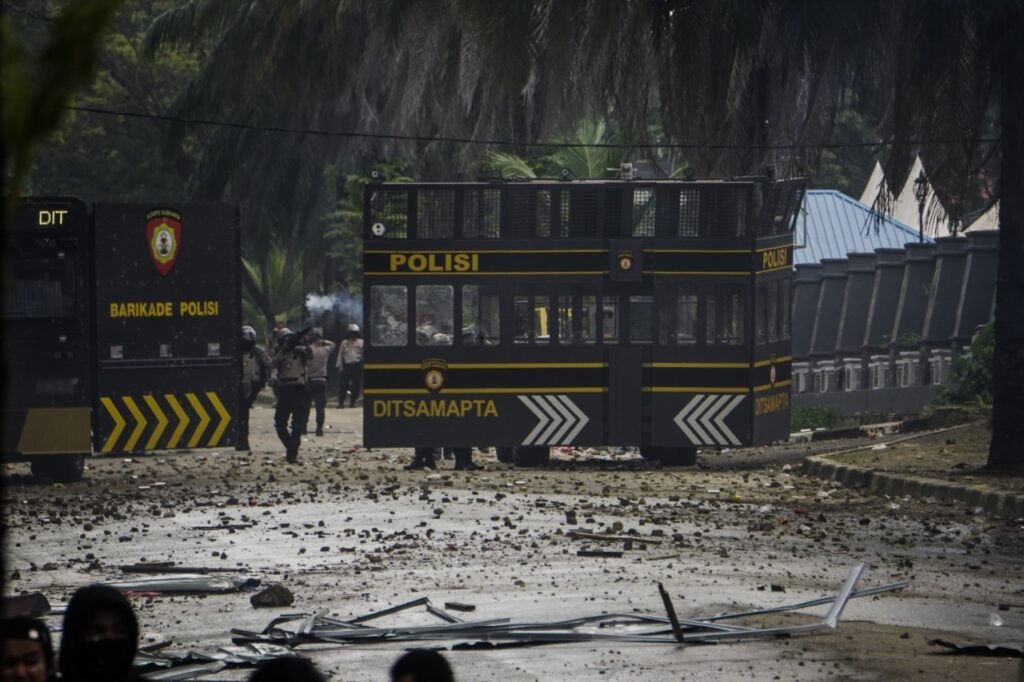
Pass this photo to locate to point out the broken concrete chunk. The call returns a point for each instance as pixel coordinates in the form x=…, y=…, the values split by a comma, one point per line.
x=274, y=595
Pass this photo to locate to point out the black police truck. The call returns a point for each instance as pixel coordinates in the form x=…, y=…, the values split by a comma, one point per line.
x=121, y=330
x=526, y=315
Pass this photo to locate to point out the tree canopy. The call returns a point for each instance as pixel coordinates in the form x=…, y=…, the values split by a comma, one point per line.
x=272, y=104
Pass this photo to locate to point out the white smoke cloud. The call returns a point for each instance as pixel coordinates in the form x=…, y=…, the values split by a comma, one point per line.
x=344, y=307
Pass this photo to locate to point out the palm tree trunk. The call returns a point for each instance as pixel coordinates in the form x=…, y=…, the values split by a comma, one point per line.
x=1006, y=451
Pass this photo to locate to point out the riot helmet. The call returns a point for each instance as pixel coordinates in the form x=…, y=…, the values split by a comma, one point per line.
x=248, y=338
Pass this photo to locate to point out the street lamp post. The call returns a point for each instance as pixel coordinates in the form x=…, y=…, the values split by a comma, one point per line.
x=920, y=193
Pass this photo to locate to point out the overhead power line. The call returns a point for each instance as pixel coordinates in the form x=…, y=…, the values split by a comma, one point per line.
x=509, y=143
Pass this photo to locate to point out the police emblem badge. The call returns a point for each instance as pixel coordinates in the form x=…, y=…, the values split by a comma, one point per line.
x=163, y=234
x=435, y=371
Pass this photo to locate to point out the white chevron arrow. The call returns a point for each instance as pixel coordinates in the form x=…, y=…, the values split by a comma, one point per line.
x=559, y=419
x=542, y=419
x=706, y=422
x=702, y=419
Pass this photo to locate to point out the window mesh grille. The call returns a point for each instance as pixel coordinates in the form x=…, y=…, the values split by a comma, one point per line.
x=727, y=214
x=563, y=214
x=544, y=213
x=481, y=213
x=435, y=213
x=390, y=208
x=644, y=212
x=689, y=212
x=522, y=213
x=583, y=212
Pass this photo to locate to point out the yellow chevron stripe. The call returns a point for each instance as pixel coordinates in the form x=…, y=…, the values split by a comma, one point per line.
x=161, y=421
x=140, y=423
x=119, y=424
x=204, y=419
x=225, y=418
x=182, y=421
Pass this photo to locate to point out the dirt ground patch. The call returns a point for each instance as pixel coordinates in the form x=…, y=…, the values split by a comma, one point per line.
x=956, y=455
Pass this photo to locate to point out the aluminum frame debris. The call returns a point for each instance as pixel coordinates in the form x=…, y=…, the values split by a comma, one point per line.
x=829, y=622
x=298, y=629
x=185, y=583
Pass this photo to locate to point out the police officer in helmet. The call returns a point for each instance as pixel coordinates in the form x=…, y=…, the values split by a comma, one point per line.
x=289, y=359
x=255, y=368
x=316, y=377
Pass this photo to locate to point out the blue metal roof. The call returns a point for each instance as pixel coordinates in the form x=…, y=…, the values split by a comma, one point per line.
x=837, y=225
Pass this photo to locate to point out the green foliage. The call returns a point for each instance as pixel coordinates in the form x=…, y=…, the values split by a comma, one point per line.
x=278, y=291
x=971, y=380
x=343, y=223
x=37, y=91
x=586, y=162
x=99, y=157
x=847, y=169
x=810, y=418
x=510, y=165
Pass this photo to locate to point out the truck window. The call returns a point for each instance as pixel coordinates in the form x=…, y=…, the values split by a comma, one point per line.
x=481, y=314
x=42, y=287
x=388, y=316
x=677, y=321
x=434, y=315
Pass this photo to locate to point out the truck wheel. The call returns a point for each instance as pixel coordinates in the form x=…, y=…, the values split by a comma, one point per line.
x=531, y=456
x=506, y=455
x=670, y=456
x=60, y=468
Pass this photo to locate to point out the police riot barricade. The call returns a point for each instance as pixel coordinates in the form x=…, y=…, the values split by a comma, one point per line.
x=167, y=311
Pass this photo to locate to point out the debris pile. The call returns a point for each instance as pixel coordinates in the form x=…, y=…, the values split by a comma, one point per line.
x=292, y=630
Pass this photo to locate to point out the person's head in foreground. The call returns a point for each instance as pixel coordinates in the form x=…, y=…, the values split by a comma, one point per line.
x=422, y=665
x=27, y=651
x=100, y=637
x=287, y=669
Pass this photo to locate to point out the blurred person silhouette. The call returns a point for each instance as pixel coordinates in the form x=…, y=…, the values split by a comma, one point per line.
x=290, y=359
x=255, y=373
x=287, y=669
x=350, y=362
x=100, y=637
x=422, y=665
x=316, y=371
x=27, y=651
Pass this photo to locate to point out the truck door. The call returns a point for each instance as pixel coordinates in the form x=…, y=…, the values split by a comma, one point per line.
x=627, y=314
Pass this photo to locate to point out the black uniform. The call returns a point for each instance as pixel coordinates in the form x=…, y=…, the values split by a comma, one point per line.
x=292, y=400
x=423, y=459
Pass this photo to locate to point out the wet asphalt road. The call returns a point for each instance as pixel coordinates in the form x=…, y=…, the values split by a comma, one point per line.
x=348, y=532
